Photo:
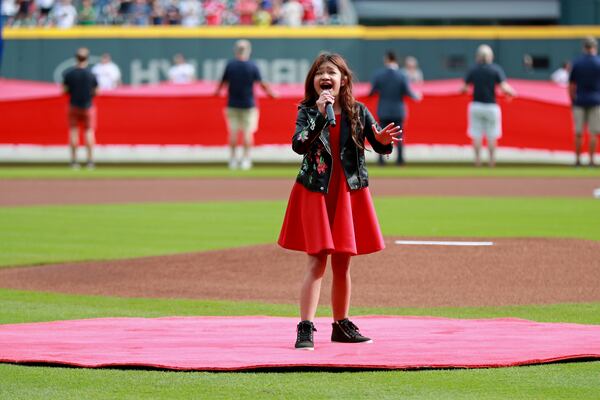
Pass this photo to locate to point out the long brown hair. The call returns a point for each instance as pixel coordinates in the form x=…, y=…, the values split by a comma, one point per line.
x=346, y=99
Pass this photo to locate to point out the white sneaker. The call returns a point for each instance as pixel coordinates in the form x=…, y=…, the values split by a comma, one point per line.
x=75, y=166
x=246, y=164
x=233, y=163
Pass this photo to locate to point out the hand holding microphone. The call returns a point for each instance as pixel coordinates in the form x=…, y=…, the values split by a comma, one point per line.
x=325, y=105
x=330, y=114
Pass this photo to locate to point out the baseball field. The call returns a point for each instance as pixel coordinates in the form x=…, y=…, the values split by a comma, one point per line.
x=189, y=240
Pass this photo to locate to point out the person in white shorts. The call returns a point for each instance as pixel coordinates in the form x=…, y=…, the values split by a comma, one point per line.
x=485, y=117
x=584, y=91
x=242, y=115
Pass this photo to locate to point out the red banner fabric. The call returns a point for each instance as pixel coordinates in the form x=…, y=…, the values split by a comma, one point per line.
x=167, y=114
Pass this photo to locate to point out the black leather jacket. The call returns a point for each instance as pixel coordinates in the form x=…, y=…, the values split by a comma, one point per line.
x=311, y=139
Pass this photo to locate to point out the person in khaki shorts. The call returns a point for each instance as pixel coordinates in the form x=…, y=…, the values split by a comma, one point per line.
x=584, y=91
x=242, y=115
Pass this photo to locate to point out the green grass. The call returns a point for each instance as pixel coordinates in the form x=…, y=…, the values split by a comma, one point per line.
x=557, y=381
x=288, y=170
x=46, y=234
x=25, y=306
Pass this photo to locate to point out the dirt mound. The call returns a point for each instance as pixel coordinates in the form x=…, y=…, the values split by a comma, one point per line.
x=512, y=271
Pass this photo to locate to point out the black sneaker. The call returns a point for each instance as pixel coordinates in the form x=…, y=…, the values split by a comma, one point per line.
x=304, y=340
x=344, y=331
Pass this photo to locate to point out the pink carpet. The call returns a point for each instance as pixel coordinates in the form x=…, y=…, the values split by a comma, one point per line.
x=243, y=343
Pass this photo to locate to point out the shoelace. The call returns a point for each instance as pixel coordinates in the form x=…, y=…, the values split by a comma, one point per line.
x=350, y=328
x=305, y=332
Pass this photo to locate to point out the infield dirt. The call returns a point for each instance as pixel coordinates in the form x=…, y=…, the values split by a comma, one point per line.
x=512, y=271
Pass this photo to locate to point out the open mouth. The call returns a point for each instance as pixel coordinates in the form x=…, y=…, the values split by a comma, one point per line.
x=326, y=86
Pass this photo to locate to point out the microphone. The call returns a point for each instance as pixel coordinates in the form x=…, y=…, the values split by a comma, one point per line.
x=330, y=113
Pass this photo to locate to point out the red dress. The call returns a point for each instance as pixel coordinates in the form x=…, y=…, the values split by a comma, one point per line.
x=341, y=221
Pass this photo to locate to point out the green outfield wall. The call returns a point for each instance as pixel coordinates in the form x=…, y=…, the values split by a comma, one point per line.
x=284, y=54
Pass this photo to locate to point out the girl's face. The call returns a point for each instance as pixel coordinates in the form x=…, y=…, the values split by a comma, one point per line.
x=328, y=77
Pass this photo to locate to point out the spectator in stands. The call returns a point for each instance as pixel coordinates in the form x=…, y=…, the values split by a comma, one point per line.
x=8, y=9
x=87, y=13
x=393, y=86
x=181, y=72
x=139, y=13
x=64, y=15
x=106, y=11
x=319, y=9
x=44, y=7
x=80, y=84
x=213, y=11
x=484, y=114
x=124, y=11
x=584, y=91
x=242, y=114
x=412, y=70
x=309, y=17
x=172, y=14
x=263, y=17
x=291, y=13
x=157, y=15
x=333, y=11
x=107, y=73
x=561, y=75
x=245, y=10
x=23, y=15
x=191, y=12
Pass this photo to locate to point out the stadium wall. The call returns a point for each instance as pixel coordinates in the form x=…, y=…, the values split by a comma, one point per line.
x=284, y=54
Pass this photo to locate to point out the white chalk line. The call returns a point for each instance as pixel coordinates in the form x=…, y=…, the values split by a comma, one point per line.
x=443, y=243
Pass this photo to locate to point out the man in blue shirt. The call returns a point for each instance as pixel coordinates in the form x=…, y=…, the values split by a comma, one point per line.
x=485, y=118
x=584, y=91
x=242, y=115
x=392, y=86
x=80, y=84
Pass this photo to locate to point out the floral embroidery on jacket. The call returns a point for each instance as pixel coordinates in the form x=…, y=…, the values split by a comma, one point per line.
x=303, y=135
x=320, y=162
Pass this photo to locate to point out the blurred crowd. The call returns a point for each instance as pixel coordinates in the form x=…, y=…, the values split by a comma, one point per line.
x=68, y=13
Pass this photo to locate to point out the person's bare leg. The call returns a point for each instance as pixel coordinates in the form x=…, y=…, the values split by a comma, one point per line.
x=248, y=142
x=341, y=286
x=233, y=138
x=311, y=288
x=593, y=141
x=492, y=150
x=74, y=142
x=477, y=150
x=90, y=141
x=578, y=144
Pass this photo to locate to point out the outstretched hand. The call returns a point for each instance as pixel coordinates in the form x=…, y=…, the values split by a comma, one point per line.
x=391, y=133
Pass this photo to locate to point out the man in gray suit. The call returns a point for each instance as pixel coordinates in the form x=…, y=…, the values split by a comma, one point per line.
x=392, y=86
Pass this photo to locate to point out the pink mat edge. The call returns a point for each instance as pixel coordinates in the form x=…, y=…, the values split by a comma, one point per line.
x=259, y=367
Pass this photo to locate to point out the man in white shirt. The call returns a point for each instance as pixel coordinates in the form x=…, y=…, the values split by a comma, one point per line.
x=107, y=73
x=64, y=15
x=561, y=75
x=181, y=71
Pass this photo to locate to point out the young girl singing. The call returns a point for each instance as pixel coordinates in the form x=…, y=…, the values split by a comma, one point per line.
x=330, y=211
